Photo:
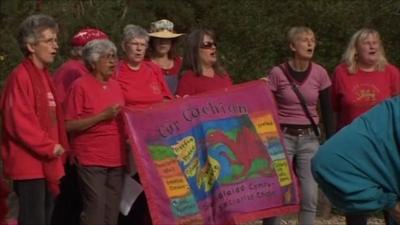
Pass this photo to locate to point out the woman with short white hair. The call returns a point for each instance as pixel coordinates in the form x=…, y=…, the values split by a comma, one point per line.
x=33, y=133
x=92, y=119
x=142, y=82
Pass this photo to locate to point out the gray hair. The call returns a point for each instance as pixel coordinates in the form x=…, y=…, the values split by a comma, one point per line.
x=93, y=50
x=76, y=52
x=294, y=32
x=133, y=31
x=30, y=30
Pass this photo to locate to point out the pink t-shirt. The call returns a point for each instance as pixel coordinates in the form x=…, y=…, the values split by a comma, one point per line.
x=289, y=106
x=142, y=87
x=101, y=144
x=354, y=94
x=66, y=74
x=191, y=84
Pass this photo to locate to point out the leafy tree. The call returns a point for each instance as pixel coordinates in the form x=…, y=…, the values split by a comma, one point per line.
x=251, y=33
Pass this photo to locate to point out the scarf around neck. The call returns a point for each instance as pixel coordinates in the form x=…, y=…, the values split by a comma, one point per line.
x=42, y=110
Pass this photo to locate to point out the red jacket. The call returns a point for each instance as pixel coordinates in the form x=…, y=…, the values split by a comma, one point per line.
x=25, y=145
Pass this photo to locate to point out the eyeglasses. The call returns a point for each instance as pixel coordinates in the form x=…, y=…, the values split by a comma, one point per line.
x=208, y=45
x=138, y=44
x=110, y=56
x=49, y=41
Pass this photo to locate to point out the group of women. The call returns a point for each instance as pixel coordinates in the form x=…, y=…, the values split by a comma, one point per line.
x=94, y=85
x=362, y=80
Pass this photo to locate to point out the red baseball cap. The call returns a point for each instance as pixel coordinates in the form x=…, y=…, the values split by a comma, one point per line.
x=87, y=34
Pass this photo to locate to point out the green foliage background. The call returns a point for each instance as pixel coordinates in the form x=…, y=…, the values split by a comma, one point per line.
x=251, y=33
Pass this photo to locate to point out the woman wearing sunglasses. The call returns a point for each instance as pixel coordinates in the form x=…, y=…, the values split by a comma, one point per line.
x=200, y=69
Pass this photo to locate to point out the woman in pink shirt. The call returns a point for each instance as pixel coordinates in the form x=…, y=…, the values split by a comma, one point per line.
x=361, y=81
x=301, y=139
x=201, y=70
x=92, y=108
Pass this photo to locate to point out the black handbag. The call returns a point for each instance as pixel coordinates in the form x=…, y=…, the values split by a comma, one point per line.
x=301, y=98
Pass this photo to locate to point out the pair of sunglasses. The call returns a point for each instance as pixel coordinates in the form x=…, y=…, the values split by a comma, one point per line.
x=208, y=45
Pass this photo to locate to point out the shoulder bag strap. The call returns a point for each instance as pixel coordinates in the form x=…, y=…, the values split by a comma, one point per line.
x=301, y=98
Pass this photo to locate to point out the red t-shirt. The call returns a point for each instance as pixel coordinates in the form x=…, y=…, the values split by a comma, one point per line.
x=142, y=87
x=174, y=70
x=354, y=94
x=171, y=74
x=101, y=144
x=191, y=84
x=66, y=74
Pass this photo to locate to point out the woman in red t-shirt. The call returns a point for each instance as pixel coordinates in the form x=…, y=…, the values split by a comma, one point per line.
x=142, y=82
x=362, y=80
x=95, y=130
x=143, y=85
x=162, y=52
x=201, y=70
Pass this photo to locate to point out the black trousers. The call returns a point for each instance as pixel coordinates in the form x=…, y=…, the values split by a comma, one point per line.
x=362, y=219
x=68, y=205
x=35, y=202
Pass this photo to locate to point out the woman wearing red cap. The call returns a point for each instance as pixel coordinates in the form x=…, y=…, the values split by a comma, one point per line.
x=68, y=205
x=161, y=51
x=74, y=67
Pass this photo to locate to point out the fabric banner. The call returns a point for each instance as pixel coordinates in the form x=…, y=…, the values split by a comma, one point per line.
x=215, y=158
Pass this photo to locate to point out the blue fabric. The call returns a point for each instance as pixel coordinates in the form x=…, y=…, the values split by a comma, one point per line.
x=359, y=168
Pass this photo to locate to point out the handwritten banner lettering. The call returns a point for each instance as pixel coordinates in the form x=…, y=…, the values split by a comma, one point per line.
x=215, y=158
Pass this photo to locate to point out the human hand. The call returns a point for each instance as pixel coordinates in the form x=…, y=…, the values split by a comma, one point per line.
x=266, y=79
x=111, y=112
x=178, y=96
x=395, y=212
x=58, y=150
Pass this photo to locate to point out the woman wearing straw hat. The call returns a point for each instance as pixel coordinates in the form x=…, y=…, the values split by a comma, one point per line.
x=161, y=50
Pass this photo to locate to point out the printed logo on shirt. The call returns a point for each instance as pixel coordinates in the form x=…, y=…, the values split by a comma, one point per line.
x=52, y=101
x=155, y=88
x=366, y=93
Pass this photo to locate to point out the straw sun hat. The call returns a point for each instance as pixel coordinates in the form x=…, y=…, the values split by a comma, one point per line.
x=163, y=29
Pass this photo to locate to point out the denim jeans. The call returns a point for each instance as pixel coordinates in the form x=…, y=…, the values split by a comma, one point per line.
x=300, y=150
